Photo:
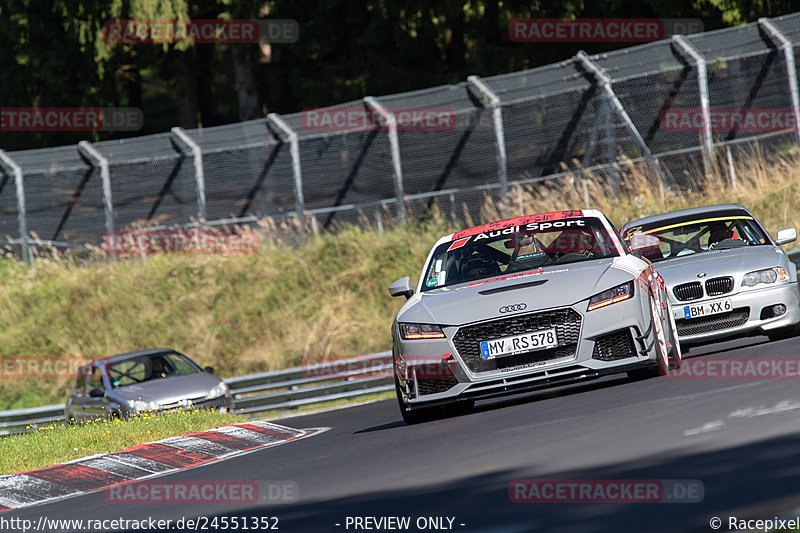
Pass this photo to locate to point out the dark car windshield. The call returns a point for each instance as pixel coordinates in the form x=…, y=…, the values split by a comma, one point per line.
x=154, y=366
x=517, y=249
x=686, y=236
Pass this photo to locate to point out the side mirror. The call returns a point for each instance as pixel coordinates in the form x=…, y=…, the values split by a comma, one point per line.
x=786, y=235
x=209, y=369
x=641, y=242
x=96, y=393
x=402, y=287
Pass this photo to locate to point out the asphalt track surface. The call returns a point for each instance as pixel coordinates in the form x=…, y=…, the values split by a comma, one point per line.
x=741, y=439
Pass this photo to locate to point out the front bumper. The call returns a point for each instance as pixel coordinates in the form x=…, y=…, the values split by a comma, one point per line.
x=748, y=308
x=615, y=339
x=220, y=403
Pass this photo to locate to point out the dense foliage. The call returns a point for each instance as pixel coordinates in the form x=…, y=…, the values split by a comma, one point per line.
x=54, y=54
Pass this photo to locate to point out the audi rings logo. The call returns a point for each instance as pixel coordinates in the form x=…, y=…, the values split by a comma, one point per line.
x=512, y=308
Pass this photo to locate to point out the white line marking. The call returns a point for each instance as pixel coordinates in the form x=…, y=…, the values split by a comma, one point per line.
x=705, y=428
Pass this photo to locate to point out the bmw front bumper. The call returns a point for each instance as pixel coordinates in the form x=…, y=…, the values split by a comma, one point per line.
x=752, y=312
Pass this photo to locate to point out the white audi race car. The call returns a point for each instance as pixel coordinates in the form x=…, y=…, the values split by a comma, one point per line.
x=725, y=275
x=521, y=304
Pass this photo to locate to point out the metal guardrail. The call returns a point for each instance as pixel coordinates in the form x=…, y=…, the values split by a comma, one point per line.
x=316, y=382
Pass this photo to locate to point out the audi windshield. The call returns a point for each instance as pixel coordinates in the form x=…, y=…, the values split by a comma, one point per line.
x=517, y=249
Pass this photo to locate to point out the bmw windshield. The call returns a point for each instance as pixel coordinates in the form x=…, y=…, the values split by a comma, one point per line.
x=687, y=236
x=517, y=249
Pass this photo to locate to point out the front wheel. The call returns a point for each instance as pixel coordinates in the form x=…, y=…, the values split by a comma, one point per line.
x=660, y=345
x=414, y=416
x=428, y=414
x=676, y=352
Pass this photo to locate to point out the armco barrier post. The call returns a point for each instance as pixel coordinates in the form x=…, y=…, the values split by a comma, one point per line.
x=791, y=71
x=702, y=86
x=394, y=144
x=500, y=139
x=294, y=151
x=22, y=215
x=90, y=152
x=605, y=82
x=199, y=170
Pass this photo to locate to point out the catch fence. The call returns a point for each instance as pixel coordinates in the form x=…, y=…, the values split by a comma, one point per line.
x=666, y=107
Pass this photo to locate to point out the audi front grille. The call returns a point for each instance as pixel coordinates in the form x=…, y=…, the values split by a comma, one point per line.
x=566, y=321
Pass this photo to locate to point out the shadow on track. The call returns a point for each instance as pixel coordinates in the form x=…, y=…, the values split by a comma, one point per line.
x=757, y=480
x=519, y=399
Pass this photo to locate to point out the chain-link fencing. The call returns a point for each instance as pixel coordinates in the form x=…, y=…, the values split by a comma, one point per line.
x=674, y=107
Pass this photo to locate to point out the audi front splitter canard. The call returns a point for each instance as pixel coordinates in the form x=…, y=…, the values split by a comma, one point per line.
x=521, y=304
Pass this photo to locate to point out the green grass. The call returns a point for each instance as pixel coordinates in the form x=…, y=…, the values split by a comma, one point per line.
x=324, y=299
x=56, y=444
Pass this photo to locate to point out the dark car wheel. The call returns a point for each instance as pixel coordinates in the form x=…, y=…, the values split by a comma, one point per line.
x=428, y=414
x=667, y=360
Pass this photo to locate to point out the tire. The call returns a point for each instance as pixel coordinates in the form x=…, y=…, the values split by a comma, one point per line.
x=676, y=353
x=660, y=345
x=415, y=416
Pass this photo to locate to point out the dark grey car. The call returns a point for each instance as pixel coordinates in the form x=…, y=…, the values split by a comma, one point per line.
x=148, y=380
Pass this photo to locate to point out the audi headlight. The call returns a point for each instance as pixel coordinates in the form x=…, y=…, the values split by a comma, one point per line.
x=611, y=296
x=219, y=390
x=768, y=275
x=420, y=331
x=141, y=405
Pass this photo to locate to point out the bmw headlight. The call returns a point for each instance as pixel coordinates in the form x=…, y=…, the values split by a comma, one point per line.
x=768, y=275
x=219, y=390
x=141, y=405
x=611, y=296
x=420, y=331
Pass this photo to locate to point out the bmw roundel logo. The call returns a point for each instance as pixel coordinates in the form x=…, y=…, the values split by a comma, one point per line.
x=512, y=308
x=701, y=274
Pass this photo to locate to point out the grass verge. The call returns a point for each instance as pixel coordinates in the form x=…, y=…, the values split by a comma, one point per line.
x=57, y=444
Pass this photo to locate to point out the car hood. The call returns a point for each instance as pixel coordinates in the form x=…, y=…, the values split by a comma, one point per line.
x=714, y=263
x=170, y=390
x=549, y=287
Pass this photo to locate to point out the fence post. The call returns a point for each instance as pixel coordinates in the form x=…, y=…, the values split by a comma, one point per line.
x=22, y=215
x=294, y=151
x=791, y=71
x=605, y=83
x=702, y=82
x=731, y=167
x=105, y=177
x=199, y=171
x=500, y=138
x=394, y=143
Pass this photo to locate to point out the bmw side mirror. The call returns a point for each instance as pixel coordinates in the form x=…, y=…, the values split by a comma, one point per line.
x=786, y=235
x=402, y=287
x=96, y=393
x=209, y=369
